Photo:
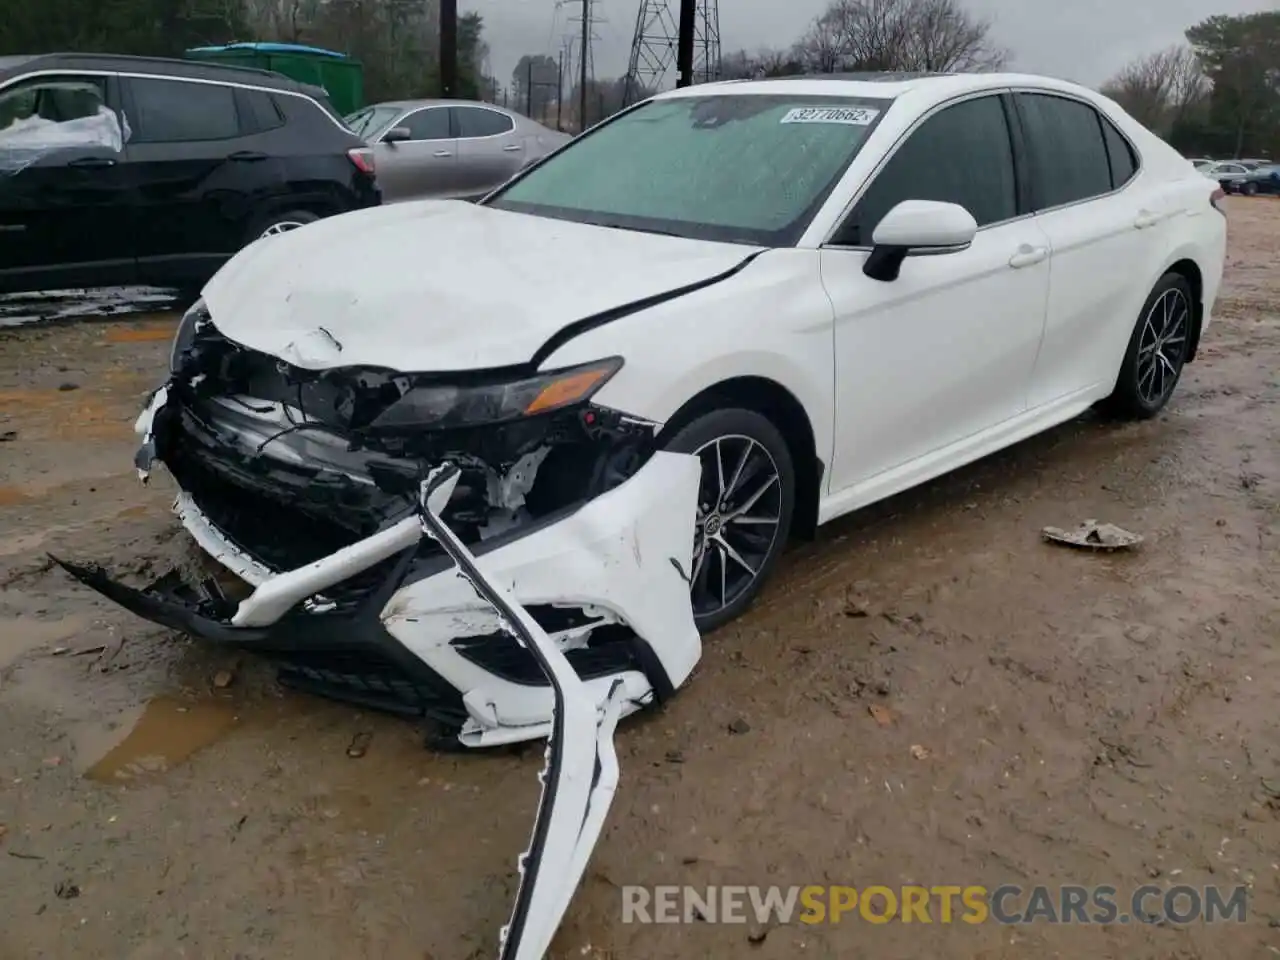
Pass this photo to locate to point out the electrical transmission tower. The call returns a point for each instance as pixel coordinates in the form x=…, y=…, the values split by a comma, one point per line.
x=653, y=48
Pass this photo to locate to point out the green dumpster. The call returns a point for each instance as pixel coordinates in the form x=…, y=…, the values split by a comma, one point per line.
x=340, y=76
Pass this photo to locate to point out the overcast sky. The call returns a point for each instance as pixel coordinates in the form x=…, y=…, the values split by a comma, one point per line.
x=1082, y=40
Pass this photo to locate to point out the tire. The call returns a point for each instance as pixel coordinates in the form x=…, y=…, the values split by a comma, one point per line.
x=279, y=222
x=742, y=552
x=1146, y=383
x=1249, y=189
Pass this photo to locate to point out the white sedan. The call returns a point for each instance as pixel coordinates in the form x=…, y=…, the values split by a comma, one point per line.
x=716, y=321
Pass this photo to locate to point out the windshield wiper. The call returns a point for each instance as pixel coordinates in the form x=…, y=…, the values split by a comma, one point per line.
x=627, y=226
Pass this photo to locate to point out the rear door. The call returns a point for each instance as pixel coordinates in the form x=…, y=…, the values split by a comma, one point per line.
x=425, y=165
x=1103, y=223
x=490, y=150
x=198, y=163
x=65, y=211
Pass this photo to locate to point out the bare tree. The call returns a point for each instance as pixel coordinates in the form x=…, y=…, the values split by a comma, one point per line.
x=1161, y=89
x=900, y=35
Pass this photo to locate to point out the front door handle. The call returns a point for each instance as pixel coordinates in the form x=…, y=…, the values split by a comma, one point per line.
x=93, y=162
x=512, y=148
x=247, y=156
x=1146, y=219
x=442, y=153
x=1028, y=256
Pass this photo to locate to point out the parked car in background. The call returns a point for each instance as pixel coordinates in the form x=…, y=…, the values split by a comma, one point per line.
x=121, y=170
x=1262, y=179
x=1230, y=174
x=449, y=149
x=1199, y=162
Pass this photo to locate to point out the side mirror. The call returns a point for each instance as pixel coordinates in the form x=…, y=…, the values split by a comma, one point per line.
x=917, y=228
x=397, y=135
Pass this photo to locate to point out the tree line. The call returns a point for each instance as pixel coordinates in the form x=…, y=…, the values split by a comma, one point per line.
x=396, y=40
x=1217, y=95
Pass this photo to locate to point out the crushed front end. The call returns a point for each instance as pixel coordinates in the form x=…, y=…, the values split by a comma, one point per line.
x=302, y=479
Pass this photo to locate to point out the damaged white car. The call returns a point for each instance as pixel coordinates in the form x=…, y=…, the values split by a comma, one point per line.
x=716, y=320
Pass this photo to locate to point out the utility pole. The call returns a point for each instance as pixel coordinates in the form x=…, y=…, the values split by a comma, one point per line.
x=586, y=60
x=560, y=91
x=684, y=48
x=448, y=48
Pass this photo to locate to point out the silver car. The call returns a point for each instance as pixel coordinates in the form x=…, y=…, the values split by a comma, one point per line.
x=449, y=148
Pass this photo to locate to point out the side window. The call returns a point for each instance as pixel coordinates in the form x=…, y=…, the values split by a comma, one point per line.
x=1068, y=155
x=478, y=122
x=180, y=111
x=46, y=115
x=429, y=124
x=1123, y=163
x=264, y=114
x=962, y=154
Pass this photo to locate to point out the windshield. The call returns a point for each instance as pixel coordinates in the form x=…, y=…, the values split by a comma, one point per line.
x=744, y=168
x=365, y=123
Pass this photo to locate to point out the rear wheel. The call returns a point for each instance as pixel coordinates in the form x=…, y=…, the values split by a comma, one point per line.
x=745, y=504
x=1249, y=189
x=1157, y=351
x=276, y=223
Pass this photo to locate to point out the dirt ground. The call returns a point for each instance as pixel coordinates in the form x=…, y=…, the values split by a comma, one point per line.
x=1041, y=715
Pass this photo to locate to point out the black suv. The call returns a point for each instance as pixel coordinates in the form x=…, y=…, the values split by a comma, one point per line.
x=123, y=170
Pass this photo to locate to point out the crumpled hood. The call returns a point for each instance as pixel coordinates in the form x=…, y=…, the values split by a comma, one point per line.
x=442, y=285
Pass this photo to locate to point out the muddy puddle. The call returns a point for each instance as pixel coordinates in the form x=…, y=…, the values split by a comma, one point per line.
x=21, y=309
x=157, y=737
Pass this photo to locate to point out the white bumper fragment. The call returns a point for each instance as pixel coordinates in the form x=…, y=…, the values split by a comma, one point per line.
x=626, y=554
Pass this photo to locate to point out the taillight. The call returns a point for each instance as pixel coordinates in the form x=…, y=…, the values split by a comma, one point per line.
x=362, y=157
x=1217, y=198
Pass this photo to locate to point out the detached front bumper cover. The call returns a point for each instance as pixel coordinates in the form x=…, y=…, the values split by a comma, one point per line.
x=581, y=772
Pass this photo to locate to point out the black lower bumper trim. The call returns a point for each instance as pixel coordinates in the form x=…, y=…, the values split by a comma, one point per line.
x=348, y=656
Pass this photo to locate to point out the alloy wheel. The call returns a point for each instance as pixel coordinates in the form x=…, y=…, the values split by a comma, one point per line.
x=282, y=226
x=1162, y=347
x=739, y=512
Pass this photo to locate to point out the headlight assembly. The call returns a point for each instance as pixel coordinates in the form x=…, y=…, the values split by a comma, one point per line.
x=192, y=320
x=443, y=407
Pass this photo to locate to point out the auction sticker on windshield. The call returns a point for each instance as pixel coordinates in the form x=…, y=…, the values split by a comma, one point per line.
x=853, y=116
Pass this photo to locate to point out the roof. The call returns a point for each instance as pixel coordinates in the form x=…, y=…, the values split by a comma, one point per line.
x=111, y=62
x=879, y=86
x=266, y=47
x=413, y=104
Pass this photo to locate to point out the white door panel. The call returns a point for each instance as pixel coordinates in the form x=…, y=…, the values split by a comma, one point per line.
x=937, y=355
x=1101, y=257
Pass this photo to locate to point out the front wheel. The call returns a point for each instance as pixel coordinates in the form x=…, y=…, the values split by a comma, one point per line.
x=745, y=503
x=1249, y=189
x=1157, y=351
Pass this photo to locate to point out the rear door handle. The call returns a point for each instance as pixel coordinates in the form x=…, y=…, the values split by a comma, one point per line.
x=442, y=153
x=1146, y=219
x=1028, y=256
x=247, y=156
x=92, y=162
x=512, y=148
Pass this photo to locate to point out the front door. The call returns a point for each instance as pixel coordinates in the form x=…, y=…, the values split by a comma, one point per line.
x=490, y=149
x=946, y=350
x=425, y=165
x=65, y=213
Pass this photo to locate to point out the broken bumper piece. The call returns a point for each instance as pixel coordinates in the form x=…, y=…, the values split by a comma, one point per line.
x=607, y=581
